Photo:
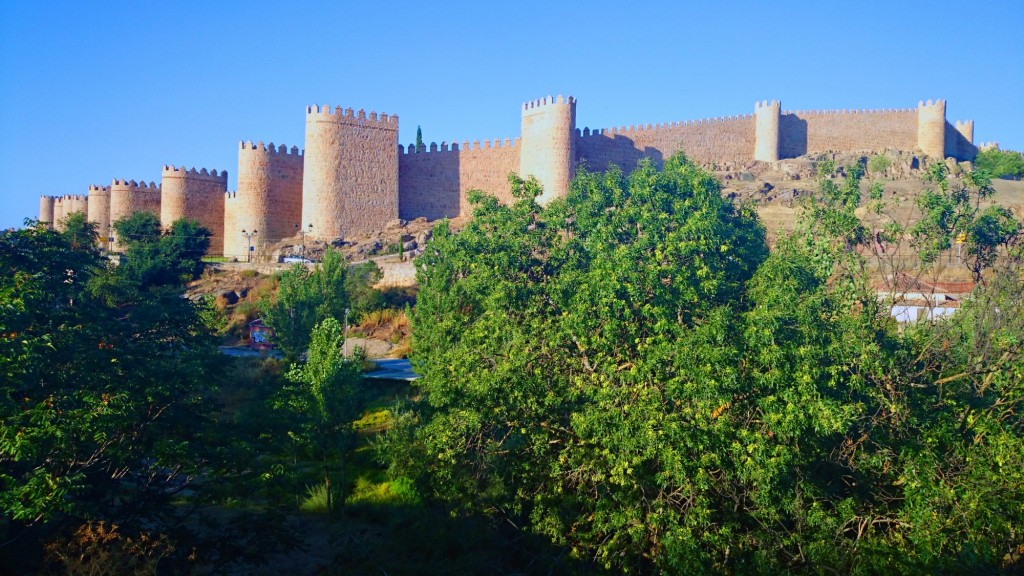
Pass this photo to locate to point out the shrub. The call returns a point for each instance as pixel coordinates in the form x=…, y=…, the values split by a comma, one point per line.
x=98, y=548
x=879, y=163
x=1001, y=163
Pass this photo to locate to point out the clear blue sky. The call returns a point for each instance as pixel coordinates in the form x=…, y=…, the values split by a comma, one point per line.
x=92, y=91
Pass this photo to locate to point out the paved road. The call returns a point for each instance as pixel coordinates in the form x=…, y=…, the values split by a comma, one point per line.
x=387, y=368
x=393, y=369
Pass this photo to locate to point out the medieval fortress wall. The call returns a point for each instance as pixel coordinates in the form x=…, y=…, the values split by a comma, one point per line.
x=197, y=195
x=268, y=201
x=354, y=178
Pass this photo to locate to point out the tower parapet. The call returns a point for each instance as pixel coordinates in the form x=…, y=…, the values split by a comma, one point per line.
x=58, y=213
x=268, y=199
x=931, y=128
x=350, y=172
x=548, y=149
x=75, y=203
x=99, y=209
x=766, y=130
x=197, y=195
x=46, y=210
x=128, y=197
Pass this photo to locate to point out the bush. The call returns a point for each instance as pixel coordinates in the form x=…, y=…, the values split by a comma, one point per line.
x=1001, y=163
x=98, y=548
x=879, y=163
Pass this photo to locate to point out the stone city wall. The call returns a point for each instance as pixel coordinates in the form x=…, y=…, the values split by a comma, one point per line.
x=46, y=210
x=99, y=210
x=268, y=199
x=433, y=182
x=707, y=140
x=350, y=172
x=128, y=197
x=809, y=132
x=197, y=195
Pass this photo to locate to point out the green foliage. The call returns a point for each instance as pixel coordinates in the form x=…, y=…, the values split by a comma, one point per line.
x=879, y=163
x=304, y=298
x=102, y=405
x=363, y=297
x=419, y=139
x=81, y=233
x=629, y=373
x=1000, y=163
x=155, y=258
x=323, y=397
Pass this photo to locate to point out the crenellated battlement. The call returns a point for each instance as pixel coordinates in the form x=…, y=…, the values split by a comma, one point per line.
x=170, y=171
x=605, y=132
x=497, y=143
x=351, y=117
x=94, y=189
x=768, y=104
x=133, y=184
x=270, y=149
x=549, y=101
x=877, y=111
x=938, y=103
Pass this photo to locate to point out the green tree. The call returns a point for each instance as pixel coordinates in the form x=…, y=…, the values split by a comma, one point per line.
x=103, y=399
x=322, y=399
x=629, y=373
x=419, y=139
x=304, y=298
x=80, y=232
x=359, y=286
x=160, y=258
x=1001, y=163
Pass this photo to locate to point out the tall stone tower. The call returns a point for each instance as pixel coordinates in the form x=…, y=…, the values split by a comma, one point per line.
x=76, y=203
x=99, y=209
x=128, y=197
x=931, y=128
x=46, y=210
x=350, y=172
x=548, y=145
x=58, y=213
x=268, y=199
x=197, y=195
x=766, y=130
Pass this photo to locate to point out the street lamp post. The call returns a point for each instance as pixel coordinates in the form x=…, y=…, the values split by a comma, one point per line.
x=346, y=332
x=303, y=232
x=248, y=236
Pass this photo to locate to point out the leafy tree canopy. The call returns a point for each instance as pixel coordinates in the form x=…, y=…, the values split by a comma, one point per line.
x=102, y=396
x=629, y=372
x=304, y=298
x=1001, y=163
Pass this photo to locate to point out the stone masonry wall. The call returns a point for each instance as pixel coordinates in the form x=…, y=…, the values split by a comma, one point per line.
x=268, y=199
x=846, y=130
x=350, y=173
x=99, y=210
x=46, y=210
x=433, y=182
x=715, y=139
x=197, y=195
x=128, y=197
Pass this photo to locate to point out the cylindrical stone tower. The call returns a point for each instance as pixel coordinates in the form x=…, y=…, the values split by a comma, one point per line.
x=59, y=205
x=766, y=130
x=197, y=195
x=99, y=210
x=548, y=145
x=268, y=199
x=76, y=203
x=128, y=197
x=46, y=210
x=350, y=172
x=931, y=128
